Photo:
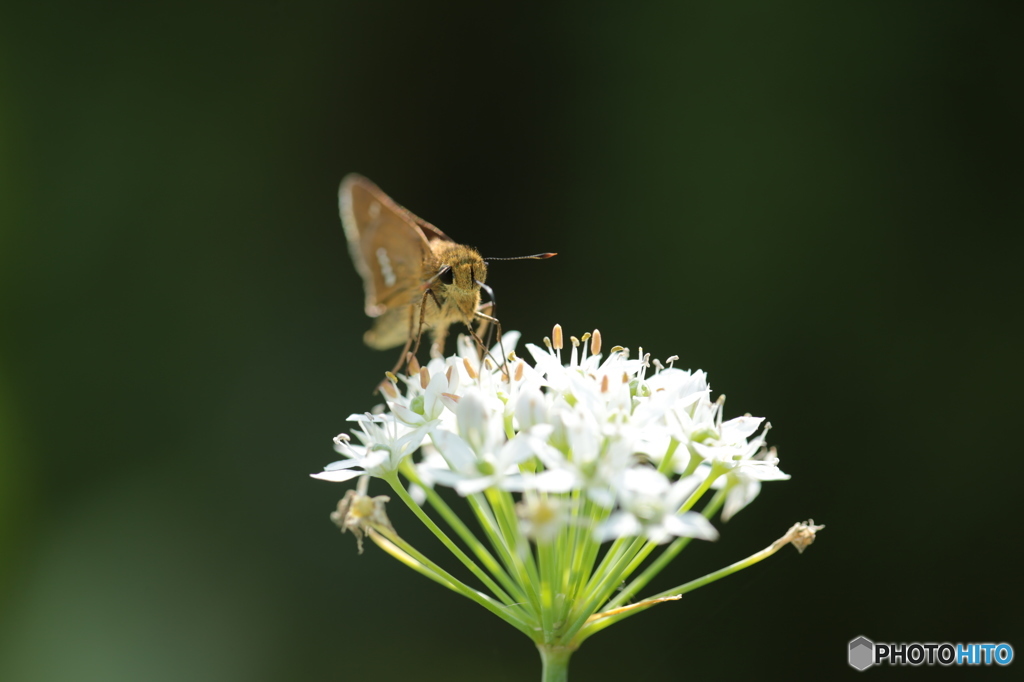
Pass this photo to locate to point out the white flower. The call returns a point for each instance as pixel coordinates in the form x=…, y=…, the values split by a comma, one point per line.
x=385, y=443
x=593, y=463
x=424, y=402
x=649, y=507
x=743, y=483
x=600, y=425
x=479, y=456
x=542, y=518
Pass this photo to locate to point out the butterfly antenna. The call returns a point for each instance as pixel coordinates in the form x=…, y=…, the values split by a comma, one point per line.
x=536, y=256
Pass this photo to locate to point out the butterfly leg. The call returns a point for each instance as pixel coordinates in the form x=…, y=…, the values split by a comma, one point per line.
x=486, y=311
x=439, y=330
x=403, y=359
x=484, y=320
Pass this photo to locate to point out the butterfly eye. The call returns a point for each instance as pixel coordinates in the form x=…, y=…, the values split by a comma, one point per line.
x=446, y=276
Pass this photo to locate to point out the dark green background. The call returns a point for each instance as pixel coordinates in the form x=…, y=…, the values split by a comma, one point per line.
x=818, y=203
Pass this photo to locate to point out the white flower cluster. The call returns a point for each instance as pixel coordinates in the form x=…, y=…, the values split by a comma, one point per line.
x=632, y=436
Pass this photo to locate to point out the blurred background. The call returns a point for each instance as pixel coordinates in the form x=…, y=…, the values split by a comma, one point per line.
x=819, y=205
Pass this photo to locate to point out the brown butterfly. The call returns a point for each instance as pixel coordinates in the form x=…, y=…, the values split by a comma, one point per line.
x=415, y=276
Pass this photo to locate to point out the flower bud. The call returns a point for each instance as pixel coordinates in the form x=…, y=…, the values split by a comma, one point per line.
x=530, y=408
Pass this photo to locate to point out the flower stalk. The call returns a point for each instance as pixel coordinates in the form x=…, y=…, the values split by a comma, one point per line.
x=554, y=662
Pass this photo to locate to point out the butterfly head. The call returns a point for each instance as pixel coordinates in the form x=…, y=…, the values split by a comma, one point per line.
x=460, y=271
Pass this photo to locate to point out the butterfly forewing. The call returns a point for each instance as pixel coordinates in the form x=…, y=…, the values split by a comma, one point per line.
x=386, y=243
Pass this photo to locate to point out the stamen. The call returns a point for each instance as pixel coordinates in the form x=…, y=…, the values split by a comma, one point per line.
x=604, y=384
x=424, y=378
x=556, y=336
x=452, y=396
x=469, y=368
x=547, y=342
x=448, y=374
x=389, y=388
x=391, y=377
x=575, y=342
x=595, y=343
x=519, y=370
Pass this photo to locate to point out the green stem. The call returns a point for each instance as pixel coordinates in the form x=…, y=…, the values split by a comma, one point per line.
x=503, y=508
x=546, y=570
x=598, y=592
x=721, y=573
x=666, y=462
x=622, y=560
x=463, y=532
x=489, y=523
x=679, y=590
x=663, y=559
x=555, y=660
x=397, y=486
x=408, y=555
x=585, y=553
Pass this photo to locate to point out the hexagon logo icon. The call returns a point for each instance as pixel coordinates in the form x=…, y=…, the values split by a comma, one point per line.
x=862, y=653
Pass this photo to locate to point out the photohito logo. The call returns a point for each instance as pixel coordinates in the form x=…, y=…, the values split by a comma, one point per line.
x=864, y=653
